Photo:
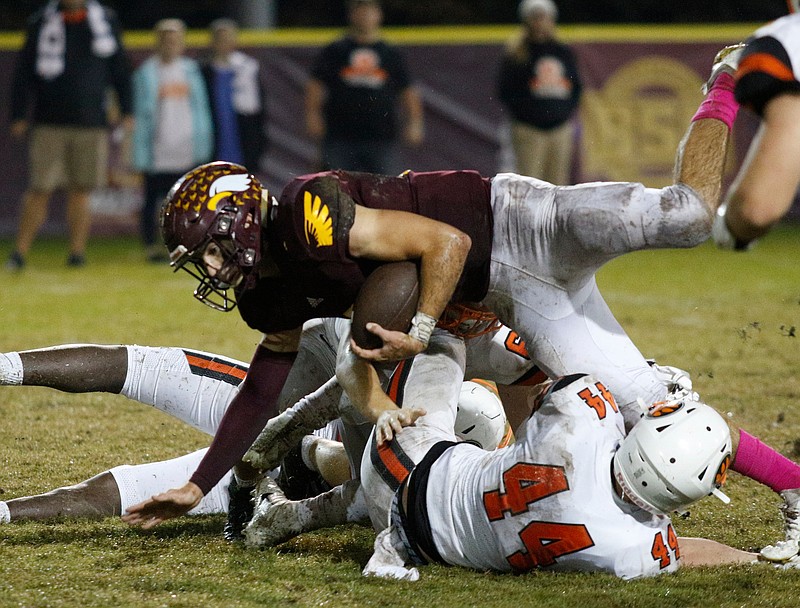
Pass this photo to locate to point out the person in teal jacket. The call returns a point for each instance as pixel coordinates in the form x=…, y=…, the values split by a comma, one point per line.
x=173, y=130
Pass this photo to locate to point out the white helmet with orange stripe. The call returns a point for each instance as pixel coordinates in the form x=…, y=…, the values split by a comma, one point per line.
x=794, y=6
x=480, y=417
x=676, y=454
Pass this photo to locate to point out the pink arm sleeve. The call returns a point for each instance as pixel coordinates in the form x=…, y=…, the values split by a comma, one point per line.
x=247, y=414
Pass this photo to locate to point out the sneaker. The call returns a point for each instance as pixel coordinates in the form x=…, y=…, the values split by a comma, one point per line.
x=76, y=260
x=240, y=510
x=785, y=550
x=15, y=262
x=727, y=60
x=276, y=519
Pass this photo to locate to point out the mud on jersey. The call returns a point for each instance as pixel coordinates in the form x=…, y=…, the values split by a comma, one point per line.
x=308, y=237
x=548, y=501
x=770, y=64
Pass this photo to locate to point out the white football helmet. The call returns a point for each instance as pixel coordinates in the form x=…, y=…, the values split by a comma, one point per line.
x=480, y=417
x=794, y=6
x=675, y=455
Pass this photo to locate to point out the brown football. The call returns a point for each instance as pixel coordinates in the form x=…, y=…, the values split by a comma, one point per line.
x=389, y=298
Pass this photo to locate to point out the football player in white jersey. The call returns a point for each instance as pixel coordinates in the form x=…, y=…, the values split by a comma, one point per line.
x=768, y=83
x=193, y=386
x=572, y=493
x=196, y=387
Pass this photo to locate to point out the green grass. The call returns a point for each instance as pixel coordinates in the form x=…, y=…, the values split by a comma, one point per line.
x=727, y=318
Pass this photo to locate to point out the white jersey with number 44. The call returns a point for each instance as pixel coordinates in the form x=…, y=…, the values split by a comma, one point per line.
x=548, y=500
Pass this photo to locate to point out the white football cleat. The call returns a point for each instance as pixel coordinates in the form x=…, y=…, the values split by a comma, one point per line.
x=276, y=519
x=785, y=550
x=726, y=60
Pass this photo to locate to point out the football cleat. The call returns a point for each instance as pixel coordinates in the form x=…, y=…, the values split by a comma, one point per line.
x=240, y=510
x=785, y=550
x=276, y=519
x=726, y=60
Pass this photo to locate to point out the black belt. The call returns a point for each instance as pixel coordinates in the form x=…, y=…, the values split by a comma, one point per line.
x=412, y=509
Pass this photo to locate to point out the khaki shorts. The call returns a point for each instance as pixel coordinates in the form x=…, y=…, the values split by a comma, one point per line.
x=75, y=157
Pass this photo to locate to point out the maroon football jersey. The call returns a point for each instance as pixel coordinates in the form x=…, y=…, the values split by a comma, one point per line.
x=308, y=237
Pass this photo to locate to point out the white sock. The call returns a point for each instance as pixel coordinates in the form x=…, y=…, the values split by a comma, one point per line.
x=5, y=514
x=10, y=369
x=305, y=451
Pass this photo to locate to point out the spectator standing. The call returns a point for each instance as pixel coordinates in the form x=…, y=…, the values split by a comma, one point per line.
x=173, y=123
x=236, y=94
x=540, y=85
x=352, y=97
x=72, y=54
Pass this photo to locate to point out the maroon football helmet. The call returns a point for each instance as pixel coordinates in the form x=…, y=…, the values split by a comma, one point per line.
x=215, y=203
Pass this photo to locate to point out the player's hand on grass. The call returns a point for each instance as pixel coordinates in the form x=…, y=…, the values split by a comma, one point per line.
x=391, y=422
x=397, y=345
x=161, y=507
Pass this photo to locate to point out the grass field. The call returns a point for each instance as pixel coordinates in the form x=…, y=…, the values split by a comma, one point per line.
x=729, y=319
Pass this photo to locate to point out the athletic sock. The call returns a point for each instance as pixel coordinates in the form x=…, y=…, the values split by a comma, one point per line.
x=10, y=369
x=5, y=514
x=760, y=462
x=720, y=102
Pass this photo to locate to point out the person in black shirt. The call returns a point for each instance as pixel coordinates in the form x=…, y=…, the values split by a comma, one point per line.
x=352, y=97
x=72, y=53
x=540, y=86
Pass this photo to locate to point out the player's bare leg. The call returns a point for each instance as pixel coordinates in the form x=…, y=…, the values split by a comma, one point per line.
x=71, y=368
x=326, y=457
x=701, y=155
x=701, y=158
x=95, y=498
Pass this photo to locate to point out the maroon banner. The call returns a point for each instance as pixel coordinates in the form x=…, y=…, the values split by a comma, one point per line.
x=638, y=102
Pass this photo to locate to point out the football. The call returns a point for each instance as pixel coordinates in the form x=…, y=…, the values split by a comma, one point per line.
x=389, y=298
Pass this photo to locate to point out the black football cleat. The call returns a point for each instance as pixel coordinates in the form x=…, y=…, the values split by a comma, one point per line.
x=240, y=511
